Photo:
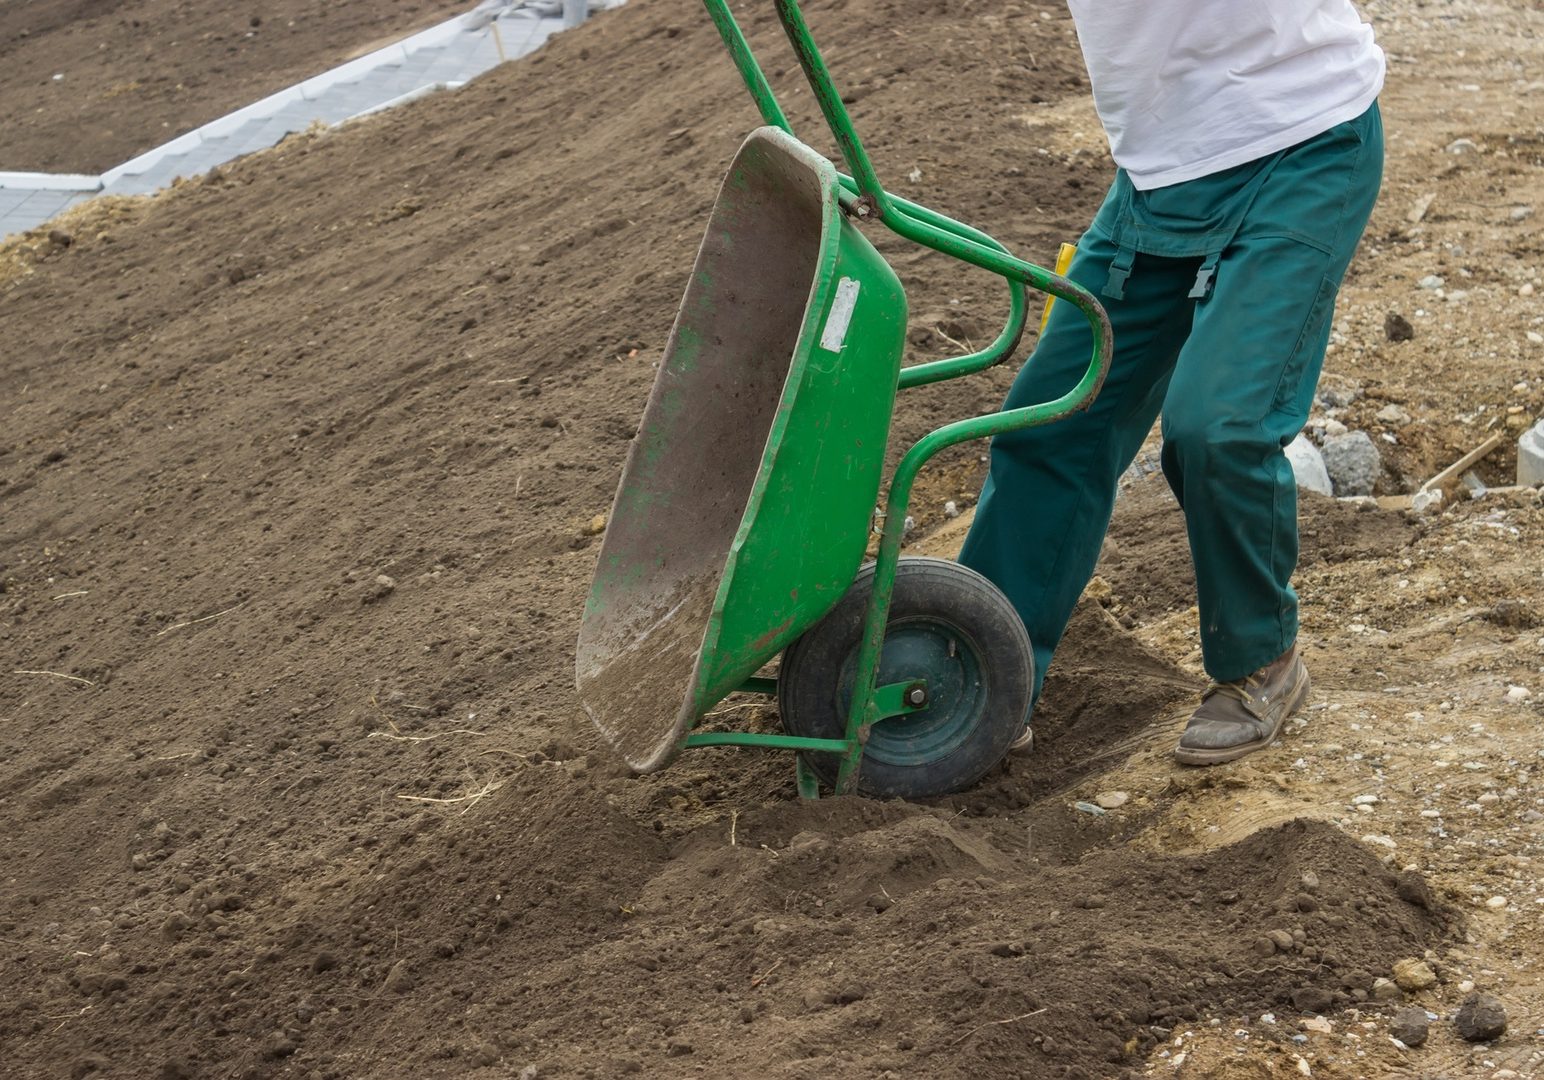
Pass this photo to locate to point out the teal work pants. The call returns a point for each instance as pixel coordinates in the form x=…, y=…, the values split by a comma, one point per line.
x=1221, y=305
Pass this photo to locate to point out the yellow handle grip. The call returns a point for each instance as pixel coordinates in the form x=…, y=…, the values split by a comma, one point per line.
x=1063, y=260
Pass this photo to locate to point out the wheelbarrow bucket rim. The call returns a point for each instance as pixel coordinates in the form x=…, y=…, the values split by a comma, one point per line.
x=670, y=740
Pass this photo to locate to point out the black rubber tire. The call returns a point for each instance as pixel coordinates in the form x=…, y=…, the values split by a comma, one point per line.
x=948, y=620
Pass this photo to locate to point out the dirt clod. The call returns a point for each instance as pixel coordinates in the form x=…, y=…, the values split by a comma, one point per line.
x=1413, y=975
x=1481, y=1018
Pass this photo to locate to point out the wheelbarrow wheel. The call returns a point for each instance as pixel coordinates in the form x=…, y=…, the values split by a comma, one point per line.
x=948, y=626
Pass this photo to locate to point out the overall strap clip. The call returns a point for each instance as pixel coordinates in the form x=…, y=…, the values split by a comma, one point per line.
x=1120, y=270
x=1203, y=286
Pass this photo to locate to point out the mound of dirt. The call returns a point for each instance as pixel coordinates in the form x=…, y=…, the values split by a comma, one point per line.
x=851, y=935
x=299, y=469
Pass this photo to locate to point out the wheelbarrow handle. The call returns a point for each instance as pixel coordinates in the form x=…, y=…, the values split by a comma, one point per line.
x=772, y=114
x=874, y=199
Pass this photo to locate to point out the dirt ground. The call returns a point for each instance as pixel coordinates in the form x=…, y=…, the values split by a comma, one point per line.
x=89, y=85
x=296, y=484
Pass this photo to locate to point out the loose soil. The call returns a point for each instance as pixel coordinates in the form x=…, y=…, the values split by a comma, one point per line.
x=299, y=482
x=89, y=85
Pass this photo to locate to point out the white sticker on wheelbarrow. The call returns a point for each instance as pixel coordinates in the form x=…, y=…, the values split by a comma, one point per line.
x=835, y=333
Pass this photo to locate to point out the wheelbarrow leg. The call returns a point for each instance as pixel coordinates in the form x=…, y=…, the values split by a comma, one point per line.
x=805, y=778
x=864, y=711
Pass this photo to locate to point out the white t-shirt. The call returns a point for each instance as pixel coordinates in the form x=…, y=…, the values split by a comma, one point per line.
x=1187, y=88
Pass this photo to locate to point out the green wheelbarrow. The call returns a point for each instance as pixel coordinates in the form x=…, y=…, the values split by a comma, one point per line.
x=744, y=509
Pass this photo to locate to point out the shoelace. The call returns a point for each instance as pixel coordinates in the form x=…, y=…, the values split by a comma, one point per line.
x=1238, y=688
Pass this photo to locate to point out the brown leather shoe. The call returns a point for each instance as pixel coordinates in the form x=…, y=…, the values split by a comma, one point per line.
x=1240, y=717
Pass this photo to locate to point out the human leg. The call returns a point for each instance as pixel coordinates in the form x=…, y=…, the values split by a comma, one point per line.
x=1049, y=491
x=1241, y=390
x=1242, y=387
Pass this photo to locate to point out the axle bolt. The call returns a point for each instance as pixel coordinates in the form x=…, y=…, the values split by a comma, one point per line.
x=916, y=696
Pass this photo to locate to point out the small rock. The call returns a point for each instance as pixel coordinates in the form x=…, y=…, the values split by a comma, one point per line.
x=1312, y=999
x=1308, y=466
x=1481, y=1018
x=530, y=1072
x=596, y=526
x=1397, y=328
x=1412, y=975
x=399, y=979
x=1521, y=213
x=1462, y=146
x=1338, y=397
x=1410, y=1027
x=1088, y=808
x=1392, y=414
x=1317, y=1024
x=1419, y=207
x=1112, y=800
x=1430, y=281
x=1386, y=990
x=1353, y=463
x=951, y=509
x=279, y=1045
x=1535, y=337
x=1518, y=694
x=1496, y=903
x=1281, y=939
x=1526, y=289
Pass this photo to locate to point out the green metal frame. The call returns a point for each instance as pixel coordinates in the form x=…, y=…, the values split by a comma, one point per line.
x=864, y=197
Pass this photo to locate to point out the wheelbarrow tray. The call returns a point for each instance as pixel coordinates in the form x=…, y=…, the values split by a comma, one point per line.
x=744, y=507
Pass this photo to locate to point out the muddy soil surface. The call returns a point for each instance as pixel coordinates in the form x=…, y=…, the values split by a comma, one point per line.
x=299, y=486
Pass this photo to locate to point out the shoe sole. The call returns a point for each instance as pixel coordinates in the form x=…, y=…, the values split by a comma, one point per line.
x=1187, y=756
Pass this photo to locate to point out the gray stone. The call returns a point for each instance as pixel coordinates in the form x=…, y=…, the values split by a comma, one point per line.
x=1410, y=1027
x=1338, y=397
x=1308, y=466
x=1481, y=1018
x=1530, y=456
x=1352, y=462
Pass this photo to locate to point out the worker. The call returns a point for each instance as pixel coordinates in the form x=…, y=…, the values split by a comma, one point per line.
x=1249, y=151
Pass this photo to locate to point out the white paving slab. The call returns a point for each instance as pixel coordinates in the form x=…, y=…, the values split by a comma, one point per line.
x=442, y=57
